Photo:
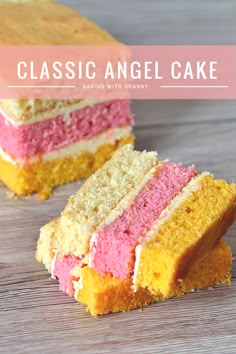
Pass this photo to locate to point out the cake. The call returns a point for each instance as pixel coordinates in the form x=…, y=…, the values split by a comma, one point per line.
x=46, y=143
x=140, y=230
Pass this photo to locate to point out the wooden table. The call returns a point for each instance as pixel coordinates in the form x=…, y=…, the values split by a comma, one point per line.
x=35, y=316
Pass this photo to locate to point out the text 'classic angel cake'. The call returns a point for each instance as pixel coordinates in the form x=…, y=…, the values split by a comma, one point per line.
x=140, y=230
x=45, y=143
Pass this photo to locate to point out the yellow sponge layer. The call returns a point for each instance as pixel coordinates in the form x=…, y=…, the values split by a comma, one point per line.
x=104, y=294
x=42, y=175
x=193, y=227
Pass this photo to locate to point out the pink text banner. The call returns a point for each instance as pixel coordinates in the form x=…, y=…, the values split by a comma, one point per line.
x=111, y=72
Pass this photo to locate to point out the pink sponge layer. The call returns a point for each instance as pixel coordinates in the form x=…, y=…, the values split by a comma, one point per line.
x=112, y=249
x=61, y=271
x=38, y=138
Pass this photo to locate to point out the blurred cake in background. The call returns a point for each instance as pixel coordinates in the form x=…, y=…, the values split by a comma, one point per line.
x=46, y=143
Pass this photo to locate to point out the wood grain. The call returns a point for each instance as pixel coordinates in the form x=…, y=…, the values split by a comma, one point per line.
x=35, y=316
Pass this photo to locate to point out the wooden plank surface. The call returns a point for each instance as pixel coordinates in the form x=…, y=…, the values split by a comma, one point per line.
x=34, y=316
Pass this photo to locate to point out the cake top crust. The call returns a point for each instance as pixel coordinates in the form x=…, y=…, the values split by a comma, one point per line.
x=44, y=22
x=48, y=23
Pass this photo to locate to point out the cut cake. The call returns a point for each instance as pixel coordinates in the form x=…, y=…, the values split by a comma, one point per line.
x=45, y=143
x=140, y=230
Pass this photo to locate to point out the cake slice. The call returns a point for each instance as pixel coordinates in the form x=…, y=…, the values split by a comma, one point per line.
x=191, y=224
x=142, y=229
x=103, y=198
x=103, y=294
x=45, y=143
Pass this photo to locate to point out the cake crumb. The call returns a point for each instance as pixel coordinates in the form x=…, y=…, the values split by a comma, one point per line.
x=11, y=195
x=27, y=197
x=45, y=193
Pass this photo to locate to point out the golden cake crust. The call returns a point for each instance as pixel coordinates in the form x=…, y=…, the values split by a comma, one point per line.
x=53, y=23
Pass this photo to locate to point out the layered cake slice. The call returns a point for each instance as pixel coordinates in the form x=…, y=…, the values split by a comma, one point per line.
x=191, y=224
x=111, y=294
x=138, y=231
x=105, y=293
x=45, y=143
